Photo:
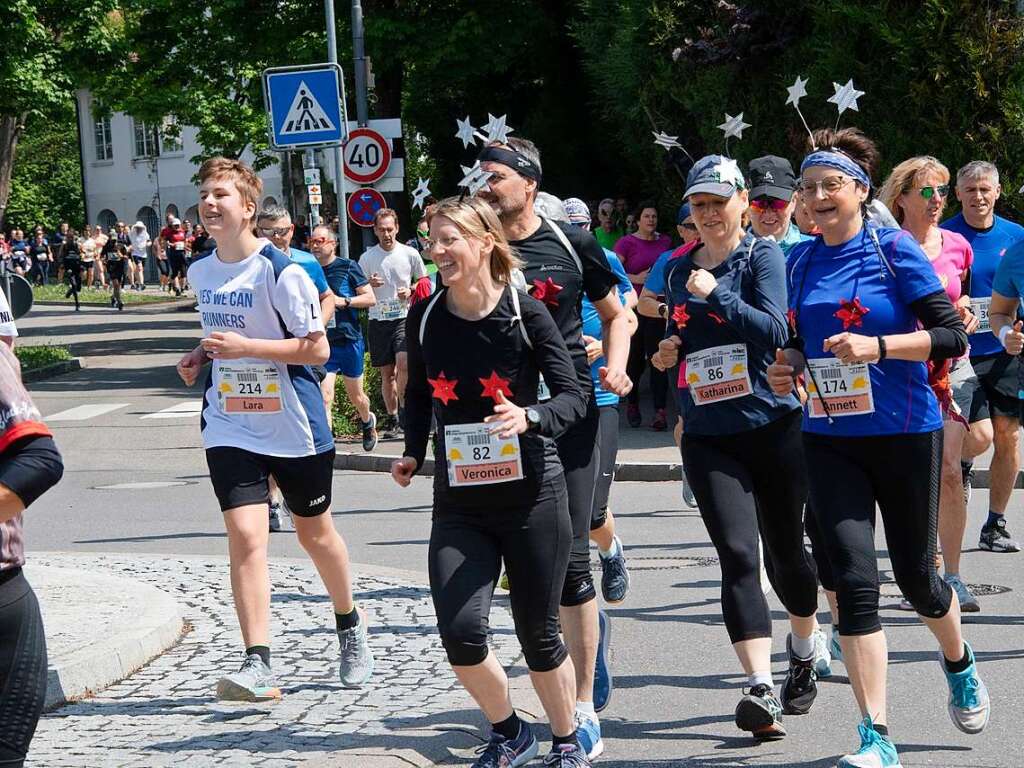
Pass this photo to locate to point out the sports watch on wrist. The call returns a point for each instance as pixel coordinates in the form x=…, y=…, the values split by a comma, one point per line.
x=532, y=420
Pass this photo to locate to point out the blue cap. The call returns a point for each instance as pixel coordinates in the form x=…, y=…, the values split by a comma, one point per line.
x=684, y=213
x=714, y=175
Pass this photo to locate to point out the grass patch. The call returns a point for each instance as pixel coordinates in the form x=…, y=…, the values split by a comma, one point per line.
x=152, y=295
x=33, y=357
x=346, y=420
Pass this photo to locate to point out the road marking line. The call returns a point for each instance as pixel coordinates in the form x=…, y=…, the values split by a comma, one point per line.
x=179, y=411
x=83, y=412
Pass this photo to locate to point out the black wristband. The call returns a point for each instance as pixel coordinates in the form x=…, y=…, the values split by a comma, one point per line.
x=881, y=348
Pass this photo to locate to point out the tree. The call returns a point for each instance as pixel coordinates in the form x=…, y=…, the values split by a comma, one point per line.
x=49, y=49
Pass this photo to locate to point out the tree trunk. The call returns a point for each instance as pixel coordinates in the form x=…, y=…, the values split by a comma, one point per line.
x=11, y=127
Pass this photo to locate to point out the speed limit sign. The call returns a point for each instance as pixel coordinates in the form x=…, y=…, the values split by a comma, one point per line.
x=367, y=156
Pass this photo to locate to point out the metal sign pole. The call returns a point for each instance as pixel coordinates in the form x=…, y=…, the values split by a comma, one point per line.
x=339, y=154
x=309, y=163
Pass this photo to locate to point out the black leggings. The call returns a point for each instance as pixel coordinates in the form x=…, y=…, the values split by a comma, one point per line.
x=642, y=345
x=73, y=274
x=464, y=559
x=818, y=549
x=579, y=450
x=22, y=667
x=848, y=476
x=747, y=483
x=608, y=420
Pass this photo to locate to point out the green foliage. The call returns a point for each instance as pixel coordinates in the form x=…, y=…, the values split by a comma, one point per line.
x=346, y=420
x=32, y=357
x=46, y=187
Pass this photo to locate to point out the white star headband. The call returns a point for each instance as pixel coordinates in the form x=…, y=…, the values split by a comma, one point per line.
x=845, y=97
x=497, y=130
x=733, y=126
x=421, y=193
x=474, y=179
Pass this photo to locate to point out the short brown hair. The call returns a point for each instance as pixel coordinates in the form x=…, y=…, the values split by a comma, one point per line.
x=384, y=213
x=246, y=181
x=851, y=142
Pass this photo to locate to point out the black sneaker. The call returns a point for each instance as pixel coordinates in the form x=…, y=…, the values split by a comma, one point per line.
x=799, y=688
x=995, y=538
x=370, y=432
x=760, y=713
x=614, y=576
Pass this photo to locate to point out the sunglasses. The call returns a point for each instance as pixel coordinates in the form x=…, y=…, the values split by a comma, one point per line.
x=272, y=231
x=689, y=225
x=762, y=204
x=319, y=241
x=929, y=192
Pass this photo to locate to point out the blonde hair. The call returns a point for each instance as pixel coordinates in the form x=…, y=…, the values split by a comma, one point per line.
x=476, y=219
x=248, y=184
x=902, y=179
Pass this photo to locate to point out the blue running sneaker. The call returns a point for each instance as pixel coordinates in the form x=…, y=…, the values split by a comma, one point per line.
x=253, y=682
x=602, y=671
x=614, y=576
x=968, y=697
x=500, y=752
x=588, y=731
x=876, y=751
x=822, y=656
x=566, y=756
x=834, y=648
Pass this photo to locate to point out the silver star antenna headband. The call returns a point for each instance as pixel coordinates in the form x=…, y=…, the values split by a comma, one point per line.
x=733, y=126
x=845, y=97
x=497, y=130
x=474, y=179
x=421, y=193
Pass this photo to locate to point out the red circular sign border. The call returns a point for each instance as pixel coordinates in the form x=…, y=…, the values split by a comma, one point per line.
x=385, y=151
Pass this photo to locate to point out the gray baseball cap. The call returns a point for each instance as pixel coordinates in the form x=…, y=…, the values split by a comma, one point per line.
x=714, y=175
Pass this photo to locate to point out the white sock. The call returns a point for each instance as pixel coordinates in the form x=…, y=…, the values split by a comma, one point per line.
x=803, y=647
x=760, y=678
x=586, y=708
x=606, y=553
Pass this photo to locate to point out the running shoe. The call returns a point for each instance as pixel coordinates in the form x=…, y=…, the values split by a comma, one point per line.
x=995, y=538
x=566, y=756
x=876, y=751
x=588, y=732
x=370, y=432
x=503, y=581
x=614, y=576
x=120, y=306
x=633, y=415
x=252, y=682
x=688, y=498
x=500, y=752
x=760, y=712
x=905, y=604
x=835, y=650
x=968, y=602
x=602, y=671
x=799, y=689
x=356, y=661
x=822, y=656
x=968, y=697
x=967, y=474
x=660, y=423
x=276, y=517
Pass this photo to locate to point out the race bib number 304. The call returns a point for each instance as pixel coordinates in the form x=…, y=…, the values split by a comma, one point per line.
x=846, y=389
x=476, y=457
x=717, y=374
x=980, y=309
x=249, y=389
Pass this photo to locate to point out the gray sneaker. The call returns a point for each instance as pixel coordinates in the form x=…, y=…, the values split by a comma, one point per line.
x=276, y=517
x=822, y=657
x=253, y=682
x=688, y=498
x=356, y=665
x=968, y=602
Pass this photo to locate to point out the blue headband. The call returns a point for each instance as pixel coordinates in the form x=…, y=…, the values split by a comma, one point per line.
x=837, y=160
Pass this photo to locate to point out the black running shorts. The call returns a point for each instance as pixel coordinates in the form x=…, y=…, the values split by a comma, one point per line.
x=30, y=467
x=385, y=338
x=241, y=478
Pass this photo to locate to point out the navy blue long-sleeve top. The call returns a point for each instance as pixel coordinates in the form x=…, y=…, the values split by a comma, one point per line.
x=738, y=327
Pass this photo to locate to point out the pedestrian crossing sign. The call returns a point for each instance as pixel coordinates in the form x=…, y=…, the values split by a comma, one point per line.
x=305, y=106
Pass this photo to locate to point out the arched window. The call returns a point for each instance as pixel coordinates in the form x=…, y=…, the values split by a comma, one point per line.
x=192, y=214
x=172, y=210
x=148, y=217
x=107, y=219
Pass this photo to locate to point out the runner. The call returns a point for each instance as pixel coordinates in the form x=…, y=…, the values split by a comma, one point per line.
x=561, y=263
x=140, y=243
x=995, y=411
x=350, y=292
x=99, y=268
x=29, y=466
x=858, y=296
x=773, y=201
x=607, y=232
x=393, y=269
x=71, y=260
x=42, y=257
x=88, y=248
x=18, y=254
x=116, y=257
x=174, y=246
x=475, y=352
x=263, y=415
x=741, y=447
x=916, y=193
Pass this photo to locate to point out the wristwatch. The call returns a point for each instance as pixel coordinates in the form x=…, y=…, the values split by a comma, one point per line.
x=532, y=420
x=348, y=302
x=663, y=309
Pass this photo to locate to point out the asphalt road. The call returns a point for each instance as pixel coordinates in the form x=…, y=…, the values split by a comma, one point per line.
x=136, y=483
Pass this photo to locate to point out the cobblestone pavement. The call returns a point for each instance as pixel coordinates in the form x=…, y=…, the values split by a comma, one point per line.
x=165, y=713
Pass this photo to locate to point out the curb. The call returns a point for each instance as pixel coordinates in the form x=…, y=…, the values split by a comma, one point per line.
x=53, y=369
x=178, y=305
x=150, y=626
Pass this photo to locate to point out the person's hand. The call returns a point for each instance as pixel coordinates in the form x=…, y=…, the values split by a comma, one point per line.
x=225, y=346
x=594, y=348
x=782, y=373
x=1013, y=341
x=403, y=292
x=614, y=380
x=852, y=348
x=376, y=280
x=668, y=353
x=641, y=277
x=402, y=470
x=190, y=365
x=969, y=319
x=701, y=283
x=508, y=419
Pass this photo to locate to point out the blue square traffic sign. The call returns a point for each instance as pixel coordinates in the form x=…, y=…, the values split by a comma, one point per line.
x=305, y=106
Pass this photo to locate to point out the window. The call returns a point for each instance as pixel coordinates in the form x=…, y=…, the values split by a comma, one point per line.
x=170, y=145
x=171, y=210
x=192, y=214
x=107, y=219
x=145, y=139
x=101, y=137
x=148, y=217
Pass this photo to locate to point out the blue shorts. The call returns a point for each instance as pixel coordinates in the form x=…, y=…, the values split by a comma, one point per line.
x=346, y=359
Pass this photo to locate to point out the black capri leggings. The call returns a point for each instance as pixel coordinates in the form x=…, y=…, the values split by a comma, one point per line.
x=464, y=559
x=644, y=343
x=608, y=424
x=749, y=483
x=579, y=450
x=848, y=476
x=22, y=667
x=818, y=549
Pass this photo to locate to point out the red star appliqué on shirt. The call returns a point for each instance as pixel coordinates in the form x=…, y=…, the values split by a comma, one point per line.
x=444, y=389
x=791, y=318
x=851, y=313
x=494, y=384
x=680, y=316
x=716, y=318
x=547, y=291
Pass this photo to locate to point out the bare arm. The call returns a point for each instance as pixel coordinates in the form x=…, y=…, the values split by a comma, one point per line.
x=309, y=350
x=364, y=298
